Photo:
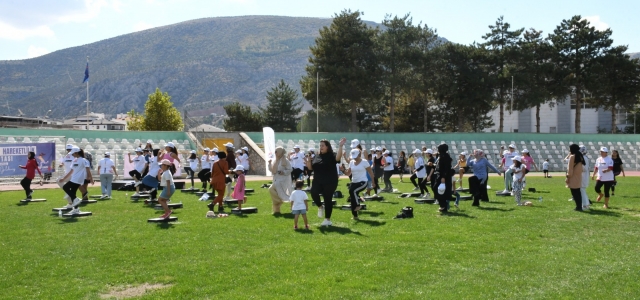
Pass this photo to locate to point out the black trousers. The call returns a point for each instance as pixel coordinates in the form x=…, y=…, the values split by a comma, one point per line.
x=205, y=176
x=577, y=197
x=135, y=174
x=70, y=188
x=354, y=198
x=190, y=173
x=295, y=174
x=478, y=190
x=326, y=190
x=26, y=185
x=308, y=173
x=413, y=179
x=376, y=178
x=444, y=198
x=387, y=180
x=607, y=186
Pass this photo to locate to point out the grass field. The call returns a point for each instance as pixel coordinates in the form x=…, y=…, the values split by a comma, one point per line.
x=496, y=251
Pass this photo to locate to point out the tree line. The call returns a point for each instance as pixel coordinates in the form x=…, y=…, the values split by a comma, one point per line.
x=404, y=77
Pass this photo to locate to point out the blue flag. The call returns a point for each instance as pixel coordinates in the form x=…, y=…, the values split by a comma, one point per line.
x=86, y=74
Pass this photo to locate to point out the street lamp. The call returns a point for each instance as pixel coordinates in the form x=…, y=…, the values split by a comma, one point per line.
x=317, y=101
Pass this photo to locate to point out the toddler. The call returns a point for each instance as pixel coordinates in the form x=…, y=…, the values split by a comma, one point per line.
x=238, y=190
x=299, y=205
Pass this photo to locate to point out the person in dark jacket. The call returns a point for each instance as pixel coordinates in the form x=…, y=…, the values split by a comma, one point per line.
x=442, y=176
x=231, y=161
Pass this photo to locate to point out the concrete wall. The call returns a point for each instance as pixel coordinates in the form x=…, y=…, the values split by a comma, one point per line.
x=525, y=120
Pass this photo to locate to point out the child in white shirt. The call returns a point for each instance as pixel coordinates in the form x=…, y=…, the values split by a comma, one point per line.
x=545, y=168
x=518, y=176
x=299, y=205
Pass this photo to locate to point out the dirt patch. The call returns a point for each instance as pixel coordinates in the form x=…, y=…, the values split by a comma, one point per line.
x=123, y=292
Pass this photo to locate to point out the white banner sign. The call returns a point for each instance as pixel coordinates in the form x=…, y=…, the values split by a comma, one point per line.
x=269, y=138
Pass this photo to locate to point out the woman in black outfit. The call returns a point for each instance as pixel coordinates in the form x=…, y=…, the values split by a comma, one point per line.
x=325, y=177
x=378, y=169
x=617, y=169
x=442, y=175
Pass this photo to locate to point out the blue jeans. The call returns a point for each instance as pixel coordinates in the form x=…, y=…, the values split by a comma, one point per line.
x=105, y=183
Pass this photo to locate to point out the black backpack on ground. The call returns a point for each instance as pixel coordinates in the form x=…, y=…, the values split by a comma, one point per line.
x=405, y=213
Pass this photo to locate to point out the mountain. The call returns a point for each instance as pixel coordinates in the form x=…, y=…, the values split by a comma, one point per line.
x=203, y=64
x=634, y=55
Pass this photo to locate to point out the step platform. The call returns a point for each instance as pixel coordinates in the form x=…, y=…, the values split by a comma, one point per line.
x=424, y=201
x=95, y=196
x=141, y=196
x=194, y=190
x=162, y=220
x=61, y=209
x=466, y=197
x=245, y=210
x=334, y=202
x=81, y=214
x=503, y=194
x=230, y=201
x=409, y=195
x=373, y=198
x=465, y=190
x=151, y=201
x=249, y=190
x=348, y=207
x=88, y=201
x=170, y=205
x=211, y=194
x=33, y=200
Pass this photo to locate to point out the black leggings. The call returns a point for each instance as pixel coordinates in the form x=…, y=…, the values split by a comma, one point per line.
x=354, y=189
x=327, y=191
x=613, y=186
x=577, y=197
x=387, y=180
x=607, y=187
x=70, y=188
x=308, y=173
x=26, y=185
x=295, y=174
x=413, y=179
x=478, y=189
x=190, y=173
x=135, y=174
x=376, y=179
x=205, y=176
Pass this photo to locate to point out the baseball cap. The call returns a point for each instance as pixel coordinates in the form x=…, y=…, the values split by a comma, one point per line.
x=239, y=168
x=165, y=162
x=206, y=149
x=138, y=149
x=75, y=149
x=386, y=152
x=296, y=147
x=417, y=151
x=354, y=143
x=604, y=149
x=170, y=144
x=525, y=151
x=583, y=149
x=193, y=151
x=228, y=145
x=355, y=153
x=239, y=151
x=215, y=150
x=512, y=146
x=107, y=154
x=517, y=157
x=429, y=151
x=69, y=146
x=378, y=148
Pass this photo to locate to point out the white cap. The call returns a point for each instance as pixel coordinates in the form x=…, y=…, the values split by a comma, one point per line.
x=239, y=168
x=525, y=151
x=245, y=148
x=512, y=146
x=312, y=150
x=149, y=141
x=206, y=149
x=517, y=158
x=69, y=146
x=193, y=151
x=355, y=153
x=506, y=152
x=138, y=149
x=604, y=149
x=386, y=152
x=378, y=148
x=441, y=188
x=228, y=145
x=74, y=149
x=354, y=143
x=429, y=151
x=165, y=162
x=239, y=151
x=296, y=147
x=107, y=154
x=463, y=153
x=170, y=144
x=583, y=149
x=215, y=150
x=417, y=151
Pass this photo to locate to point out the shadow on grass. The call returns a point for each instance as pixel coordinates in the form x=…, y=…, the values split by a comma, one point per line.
x=599, y=212
x=240, y=215
x=386, y=202
x=284, y=216
x=494, y=209
x=494, y=202
x=372, y=223
x=22, y=203
x=456, y=214
x=340, y=230
x=372, y=213
x=66, y=220
x=304, y=231
x=164, y=225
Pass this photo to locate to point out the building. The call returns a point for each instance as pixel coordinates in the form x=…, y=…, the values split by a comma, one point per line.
x=95, y=121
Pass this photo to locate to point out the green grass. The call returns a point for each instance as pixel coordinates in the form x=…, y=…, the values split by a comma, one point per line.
x=497, y=251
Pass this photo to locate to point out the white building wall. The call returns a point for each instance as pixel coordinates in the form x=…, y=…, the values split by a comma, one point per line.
x=548, y=119
x=510, y=121
x=588, y=120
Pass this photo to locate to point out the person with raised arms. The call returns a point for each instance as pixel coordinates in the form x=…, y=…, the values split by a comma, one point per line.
x=358, y=170
x=325, y=178
x=478, y=182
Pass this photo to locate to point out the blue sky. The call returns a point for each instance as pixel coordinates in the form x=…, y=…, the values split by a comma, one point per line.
x=30, y=28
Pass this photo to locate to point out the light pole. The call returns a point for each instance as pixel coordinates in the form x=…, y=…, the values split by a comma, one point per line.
x=317, y=101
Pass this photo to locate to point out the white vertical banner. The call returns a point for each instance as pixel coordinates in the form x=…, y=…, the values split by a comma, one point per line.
x=269, y=138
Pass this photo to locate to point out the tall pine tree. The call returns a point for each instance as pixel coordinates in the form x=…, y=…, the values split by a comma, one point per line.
x=283, y=108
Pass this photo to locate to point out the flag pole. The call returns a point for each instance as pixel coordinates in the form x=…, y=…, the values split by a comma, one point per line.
x=87, y=97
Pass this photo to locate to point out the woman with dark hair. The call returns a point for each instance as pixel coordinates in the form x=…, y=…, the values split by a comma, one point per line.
x=231, y=163
x=378, y=169
x=441, y=183
x=574, y=174
x=219, y=172
x=84, y=188
x=325, y=178
x=419, y=173
x=402, y=164
x=617, y=169
x=31, y=168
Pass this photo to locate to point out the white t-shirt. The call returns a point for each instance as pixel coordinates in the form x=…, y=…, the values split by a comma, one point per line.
x=359, y=171
x=420, y=162
x=213, y=159
x=245, y=161
x=67, y=162
x=206, y=162
x=545, y=165
x=508, y=159
x=138, y=163
x=166, y=176
x=154, y=168
x=297, y=160
x=193, y=163
x=585, y=172
x=604, y=163
x=517, y=176
x=106, y=166
x=78, y=166
x=389, y=163
x=298, y=197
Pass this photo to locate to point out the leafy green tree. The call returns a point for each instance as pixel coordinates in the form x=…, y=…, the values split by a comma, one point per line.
x=344, y=59
x=241, y=118
x=535, y=69
x=329, y=122
x=283, y=108
x=395, y=46
x=422, y=81
x=502, y=44
x=159, y=115
x=577, y=47
x=618, y=84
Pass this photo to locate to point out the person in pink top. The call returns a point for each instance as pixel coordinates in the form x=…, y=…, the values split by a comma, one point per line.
x=170, y=153
x=527, y=160
x=238, y=190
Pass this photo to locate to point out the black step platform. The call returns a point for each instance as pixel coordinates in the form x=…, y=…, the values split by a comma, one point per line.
x=211, y=194
x=81, y=214
x=141, y=196
x=32, y=200
x=170, y=205
x=465, y=190
x=373, y=198
x=88, y=201
x=425, y=201
x=245, y=210
x=150, y=201
x=193, y=190
x=409, y=195
x=249, y=190
x=95, y=196
x=162, y=220
x=61, y=209
x=334, y=202
x=503, y=194
x=466, y=197
x=348, y=207
x=230, y=201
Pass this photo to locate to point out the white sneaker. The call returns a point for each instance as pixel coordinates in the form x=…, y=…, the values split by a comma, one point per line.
x=422, y=196
x=135, y=195
x=137, y=183
x=227, y=198
x=512, y=194
x=321, y=212
x=570, y=199
x=68, y=206
x=76, y=202
x=326, y=223
x=66, y=197
x=505, y=191
x=75, y=211
x=415, y=188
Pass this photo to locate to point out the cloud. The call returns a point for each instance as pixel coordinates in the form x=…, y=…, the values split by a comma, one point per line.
x=597, y=23
x=141, y=26
x=14, y=33
x=34, y=51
